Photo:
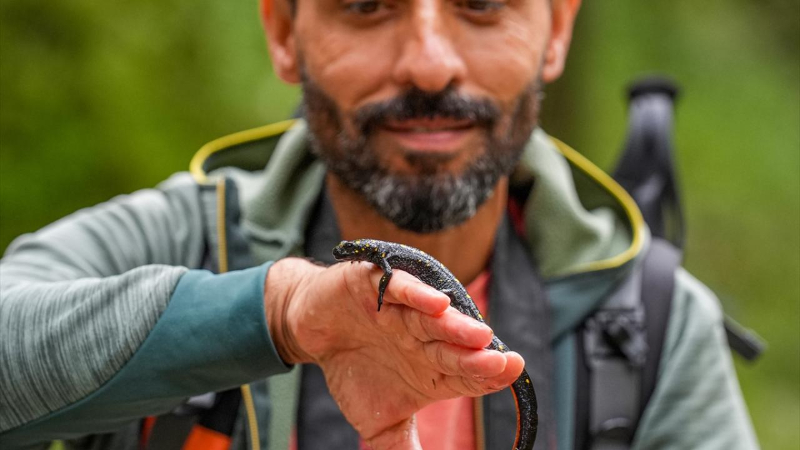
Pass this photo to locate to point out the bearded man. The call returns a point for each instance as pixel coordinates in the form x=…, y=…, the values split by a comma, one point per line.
x=420, y=127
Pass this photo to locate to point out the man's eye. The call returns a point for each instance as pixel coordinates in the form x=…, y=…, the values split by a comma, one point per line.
x=365, y=7
x=481, y=5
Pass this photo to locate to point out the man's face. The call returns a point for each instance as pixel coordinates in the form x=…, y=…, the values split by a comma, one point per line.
x=421, y=106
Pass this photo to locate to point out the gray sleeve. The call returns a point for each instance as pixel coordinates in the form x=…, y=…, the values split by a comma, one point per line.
x=697, y=402
x=78, y=297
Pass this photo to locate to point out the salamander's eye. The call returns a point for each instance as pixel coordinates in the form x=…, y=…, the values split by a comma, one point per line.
x=345, y=248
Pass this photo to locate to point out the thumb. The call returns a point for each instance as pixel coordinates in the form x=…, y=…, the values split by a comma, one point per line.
x=401, y=436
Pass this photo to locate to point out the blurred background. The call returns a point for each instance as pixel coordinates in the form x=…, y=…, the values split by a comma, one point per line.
x=103, y=98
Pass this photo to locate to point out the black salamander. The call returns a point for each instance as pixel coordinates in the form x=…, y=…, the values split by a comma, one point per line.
x=388, y=256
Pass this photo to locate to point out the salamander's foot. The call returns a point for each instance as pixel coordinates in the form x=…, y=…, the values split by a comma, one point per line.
x=452, y=295
x=382, y=287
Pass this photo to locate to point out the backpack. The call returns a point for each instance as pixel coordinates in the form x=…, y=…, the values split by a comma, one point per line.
x=619, y=345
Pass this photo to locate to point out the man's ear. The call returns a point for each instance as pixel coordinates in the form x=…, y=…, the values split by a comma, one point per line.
x=277, y=17
x=563, y=17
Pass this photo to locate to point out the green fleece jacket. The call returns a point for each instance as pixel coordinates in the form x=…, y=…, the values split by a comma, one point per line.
x=107, y=316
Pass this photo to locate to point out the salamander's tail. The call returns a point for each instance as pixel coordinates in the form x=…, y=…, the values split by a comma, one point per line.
x=527, y=417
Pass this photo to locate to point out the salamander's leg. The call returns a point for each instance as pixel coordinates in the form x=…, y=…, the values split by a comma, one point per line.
x=452, y=295
x=459, y=304
x=464, y=306
x=383, y=263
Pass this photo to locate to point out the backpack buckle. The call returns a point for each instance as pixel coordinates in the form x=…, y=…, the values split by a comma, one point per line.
x=614, y=333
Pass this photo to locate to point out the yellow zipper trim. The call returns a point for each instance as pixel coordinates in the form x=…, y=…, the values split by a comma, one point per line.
x=252, y=423
x=196, y=165
x=222, y=249
x=628, y=205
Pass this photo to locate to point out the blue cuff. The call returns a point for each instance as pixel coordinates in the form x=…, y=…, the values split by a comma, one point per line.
x=213, y=334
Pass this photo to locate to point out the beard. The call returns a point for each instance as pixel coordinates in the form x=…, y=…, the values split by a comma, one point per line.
x=430, y=199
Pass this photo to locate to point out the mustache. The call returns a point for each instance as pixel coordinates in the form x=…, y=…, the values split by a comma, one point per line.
x=418, y=104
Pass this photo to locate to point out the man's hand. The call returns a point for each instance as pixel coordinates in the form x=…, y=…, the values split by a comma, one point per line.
x=381, y=367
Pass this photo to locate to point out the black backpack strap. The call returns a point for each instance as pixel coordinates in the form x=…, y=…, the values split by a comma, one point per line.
x=658, y=287
x=615, y=351
x=620, y=348
x=170, y=431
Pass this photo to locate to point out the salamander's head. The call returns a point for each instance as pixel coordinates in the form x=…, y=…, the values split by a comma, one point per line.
x=348, y=251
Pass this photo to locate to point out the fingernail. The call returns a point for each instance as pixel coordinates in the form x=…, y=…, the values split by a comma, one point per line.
x=482, y=327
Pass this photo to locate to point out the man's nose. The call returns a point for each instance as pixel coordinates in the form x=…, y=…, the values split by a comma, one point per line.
x=429, y=59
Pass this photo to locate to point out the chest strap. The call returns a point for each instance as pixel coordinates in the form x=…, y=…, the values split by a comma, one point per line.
x=621, y=347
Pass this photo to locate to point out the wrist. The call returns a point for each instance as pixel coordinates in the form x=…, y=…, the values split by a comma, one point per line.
x=282, y=291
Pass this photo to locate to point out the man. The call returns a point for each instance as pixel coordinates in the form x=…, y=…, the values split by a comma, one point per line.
x=421, y=129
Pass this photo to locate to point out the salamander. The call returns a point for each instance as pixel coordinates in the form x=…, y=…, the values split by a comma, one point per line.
x=388, y=256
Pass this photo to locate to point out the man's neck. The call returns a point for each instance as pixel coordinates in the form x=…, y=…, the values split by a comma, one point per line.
x=464, y=249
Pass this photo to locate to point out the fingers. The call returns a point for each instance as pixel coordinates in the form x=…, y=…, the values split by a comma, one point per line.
x=453, y=343
x=452, y=327
x=476, y=386
x=473, y=372
x=512, y=371
x=454, y=360
x=406, y=290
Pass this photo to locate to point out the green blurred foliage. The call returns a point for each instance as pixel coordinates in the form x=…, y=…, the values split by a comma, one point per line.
x=104, y=98
x=98, y=99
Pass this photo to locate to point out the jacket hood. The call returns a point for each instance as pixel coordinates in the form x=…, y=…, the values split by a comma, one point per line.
x=583, y=229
